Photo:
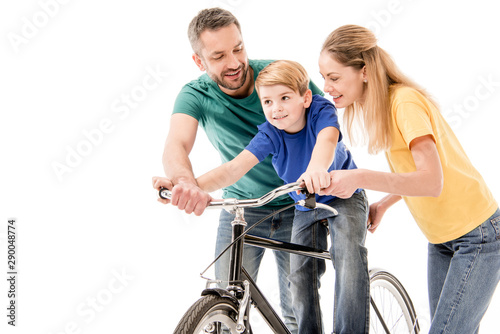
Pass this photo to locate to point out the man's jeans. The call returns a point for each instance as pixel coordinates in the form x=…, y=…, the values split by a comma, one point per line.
x=462, y=276
x=352, y=286
x=277, y=227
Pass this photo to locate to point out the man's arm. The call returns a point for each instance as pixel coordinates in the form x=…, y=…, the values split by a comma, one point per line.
x=179, y=143
x=186, y=194
x=316, y=177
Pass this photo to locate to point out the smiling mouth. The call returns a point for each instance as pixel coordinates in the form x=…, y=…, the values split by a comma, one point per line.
x=279, y=117
x=337, y=96
x=231, y=75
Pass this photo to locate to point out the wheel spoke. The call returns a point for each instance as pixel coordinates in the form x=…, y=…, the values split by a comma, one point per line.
x=210, y=314
x=393, y=311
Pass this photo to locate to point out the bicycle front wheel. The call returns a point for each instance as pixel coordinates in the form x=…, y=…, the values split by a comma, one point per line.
x=392, y=310
x=210, y=314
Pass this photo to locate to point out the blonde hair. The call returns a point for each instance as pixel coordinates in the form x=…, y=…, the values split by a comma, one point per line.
x=356, y=46
x=284, y=72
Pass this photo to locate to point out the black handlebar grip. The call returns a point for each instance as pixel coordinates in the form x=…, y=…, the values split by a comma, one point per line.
x=165, y=193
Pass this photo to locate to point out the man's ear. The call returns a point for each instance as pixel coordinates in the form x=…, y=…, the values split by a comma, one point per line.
x=198, y=62
x=307, y=98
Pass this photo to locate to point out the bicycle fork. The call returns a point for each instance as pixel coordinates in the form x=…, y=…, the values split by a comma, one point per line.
x=242, y=286
x=238, y=288
x=236, y=254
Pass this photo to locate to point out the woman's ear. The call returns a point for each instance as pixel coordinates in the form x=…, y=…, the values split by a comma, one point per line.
x=198, y=62
x=364, y=74
x=307, y=98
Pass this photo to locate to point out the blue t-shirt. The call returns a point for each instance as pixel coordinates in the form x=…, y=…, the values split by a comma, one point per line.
x=291, y=153
x=230, y=124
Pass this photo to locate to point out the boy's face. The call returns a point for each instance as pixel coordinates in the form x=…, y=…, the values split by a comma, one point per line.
x=224, y=58
x=343, y=83
x=284, y=108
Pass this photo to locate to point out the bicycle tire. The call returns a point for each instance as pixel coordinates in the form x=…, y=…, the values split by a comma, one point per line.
x=393, y=305
x=209, y=314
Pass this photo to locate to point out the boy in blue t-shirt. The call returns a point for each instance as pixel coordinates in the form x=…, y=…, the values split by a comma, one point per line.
x=302, y=135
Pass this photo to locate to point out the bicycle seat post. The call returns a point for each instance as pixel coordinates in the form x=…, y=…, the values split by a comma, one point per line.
x=236, y=255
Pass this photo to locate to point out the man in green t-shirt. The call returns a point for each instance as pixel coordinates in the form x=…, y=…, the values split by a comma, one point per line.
x=224, y=103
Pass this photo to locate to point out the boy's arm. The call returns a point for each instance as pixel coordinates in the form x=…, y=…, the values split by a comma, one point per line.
x=316, y=177
x=227, y=173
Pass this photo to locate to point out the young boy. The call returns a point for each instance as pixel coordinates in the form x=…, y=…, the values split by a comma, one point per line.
x=302, y=135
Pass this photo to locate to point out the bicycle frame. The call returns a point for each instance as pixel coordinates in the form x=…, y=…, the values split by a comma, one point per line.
x=238, y=274
x=243, y=291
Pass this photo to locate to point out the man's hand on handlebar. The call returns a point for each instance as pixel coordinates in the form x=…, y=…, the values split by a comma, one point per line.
x=162, y=182
x=186, y=196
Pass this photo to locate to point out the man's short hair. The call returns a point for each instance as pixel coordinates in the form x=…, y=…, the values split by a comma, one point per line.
x=209, y=19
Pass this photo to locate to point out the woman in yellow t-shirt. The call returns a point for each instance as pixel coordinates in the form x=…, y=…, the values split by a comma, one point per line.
x=446, y=195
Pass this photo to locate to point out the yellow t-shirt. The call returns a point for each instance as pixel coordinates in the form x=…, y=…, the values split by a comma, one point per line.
x=465, y=202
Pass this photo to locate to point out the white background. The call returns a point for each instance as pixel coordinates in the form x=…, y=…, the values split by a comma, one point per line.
x=68, y=68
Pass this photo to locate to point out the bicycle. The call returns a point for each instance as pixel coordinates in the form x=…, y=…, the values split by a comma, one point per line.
x=228, y=309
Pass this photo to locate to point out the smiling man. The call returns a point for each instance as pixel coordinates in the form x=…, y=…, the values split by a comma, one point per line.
x=224, y=103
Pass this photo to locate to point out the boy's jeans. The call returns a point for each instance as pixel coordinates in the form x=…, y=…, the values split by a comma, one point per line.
x=277, y=227
x=462, y=275
x=352, y=295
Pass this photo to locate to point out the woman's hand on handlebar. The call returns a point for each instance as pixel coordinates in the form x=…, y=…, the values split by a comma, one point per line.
x=342, y=183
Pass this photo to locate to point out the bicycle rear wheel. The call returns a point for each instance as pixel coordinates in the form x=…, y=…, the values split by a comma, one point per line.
x=392, y=310
x=210, y=314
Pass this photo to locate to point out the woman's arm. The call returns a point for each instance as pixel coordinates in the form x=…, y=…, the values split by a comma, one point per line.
x=227, y=173
x=426, y=181
x=316, y=177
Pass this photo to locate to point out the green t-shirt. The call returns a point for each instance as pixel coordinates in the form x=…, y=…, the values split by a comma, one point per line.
x=230, y=124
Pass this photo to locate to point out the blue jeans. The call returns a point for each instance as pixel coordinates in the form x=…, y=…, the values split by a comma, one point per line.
x=352, y=283
x=462, y=275
x=277, y=227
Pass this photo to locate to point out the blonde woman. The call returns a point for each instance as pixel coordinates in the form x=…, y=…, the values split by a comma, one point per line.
x=446, y=195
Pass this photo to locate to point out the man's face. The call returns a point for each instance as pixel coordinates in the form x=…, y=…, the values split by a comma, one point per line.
x=224, y=58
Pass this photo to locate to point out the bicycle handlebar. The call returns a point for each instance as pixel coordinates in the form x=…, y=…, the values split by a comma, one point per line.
x=233, y=203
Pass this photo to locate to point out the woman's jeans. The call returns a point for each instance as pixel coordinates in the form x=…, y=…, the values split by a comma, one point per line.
x=462, y=275
x=352, y=295
x=277, y=227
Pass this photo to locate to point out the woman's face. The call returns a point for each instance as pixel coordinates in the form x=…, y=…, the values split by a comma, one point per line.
x=344, y=83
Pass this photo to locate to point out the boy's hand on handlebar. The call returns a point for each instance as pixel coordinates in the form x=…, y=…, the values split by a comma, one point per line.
x=162, y=182
x=315, y=180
